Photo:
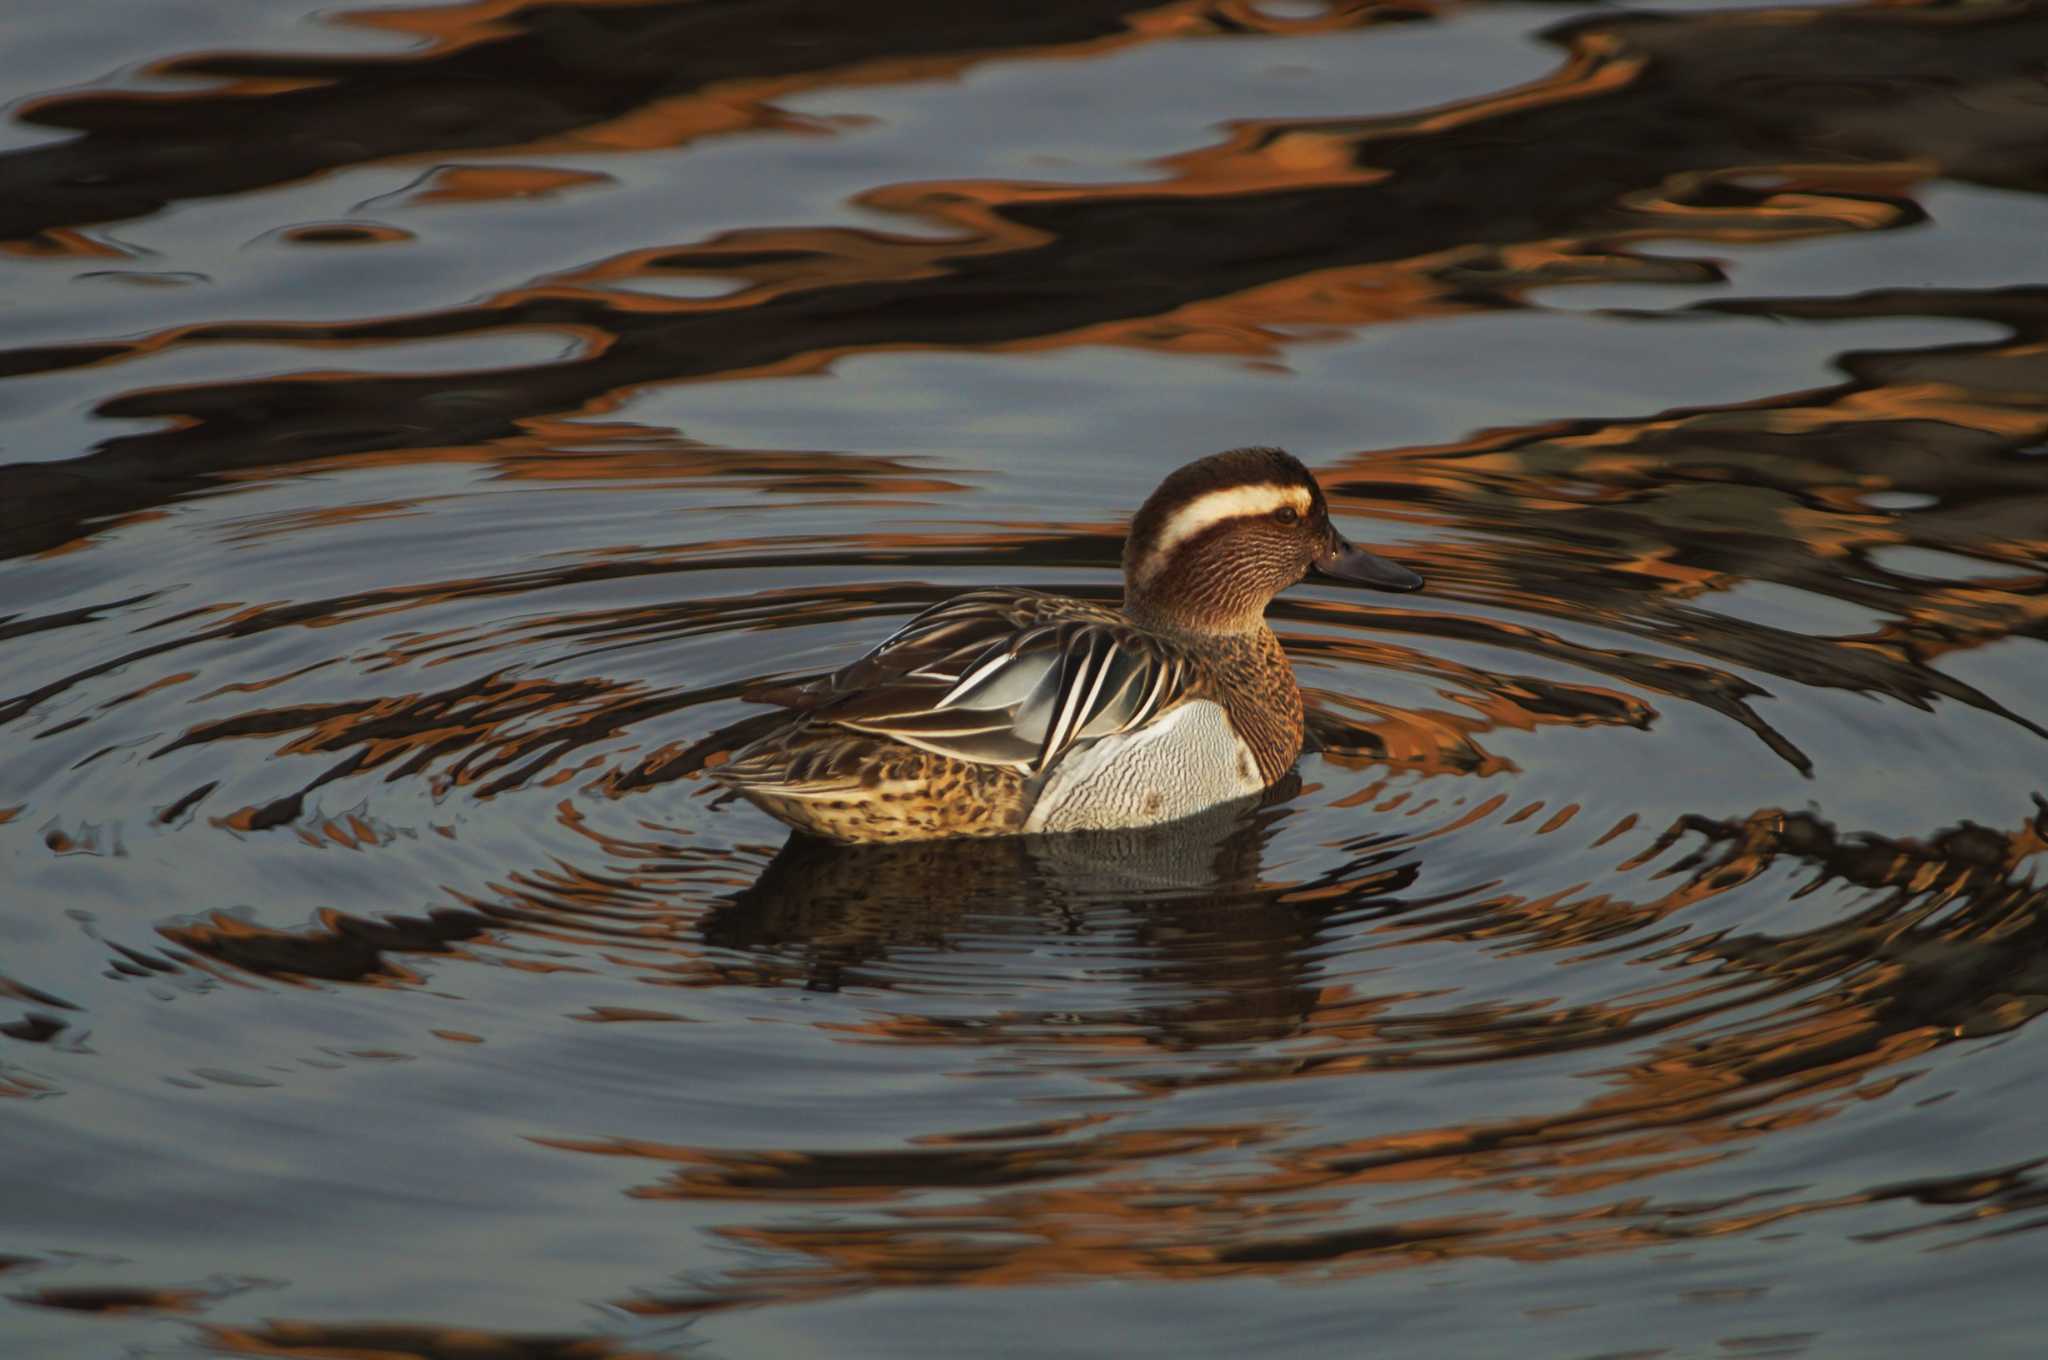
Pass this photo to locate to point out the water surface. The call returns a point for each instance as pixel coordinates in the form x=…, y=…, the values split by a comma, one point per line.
x=421, y=427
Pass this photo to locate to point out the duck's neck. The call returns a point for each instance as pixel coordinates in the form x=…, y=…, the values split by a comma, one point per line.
x=1195, y=616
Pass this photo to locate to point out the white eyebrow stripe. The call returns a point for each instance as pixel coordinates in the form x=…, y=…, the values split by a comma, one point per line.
x=1212, y=508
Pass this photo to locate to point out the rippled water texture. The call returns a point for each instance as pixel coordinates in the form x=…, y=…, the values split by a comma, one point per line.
x=421, y=427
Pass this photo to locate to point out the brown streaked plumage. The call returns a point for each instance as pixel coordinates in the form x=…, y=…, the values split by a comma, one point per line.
x=1003, y=712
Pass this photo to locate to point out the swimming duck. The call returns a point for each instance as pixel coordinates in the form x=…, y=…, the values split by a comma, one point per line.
x=1014, y=712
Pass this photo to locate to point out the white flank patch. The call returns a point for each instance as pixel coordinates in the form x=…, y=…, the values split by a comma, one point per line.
x=1187, y=762
x=1206, y=511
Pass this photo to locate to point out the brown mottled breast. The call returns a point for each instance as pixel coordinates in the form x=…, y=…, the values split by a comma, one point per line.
x=1251, y=677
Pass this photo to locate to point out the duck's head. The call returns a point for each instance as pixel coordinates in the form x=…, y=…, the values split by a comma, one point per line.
x=1221, y=537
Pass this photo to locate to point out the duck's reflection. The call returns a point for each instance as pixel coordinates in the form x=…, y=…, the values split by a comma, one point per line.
x=1226, y=952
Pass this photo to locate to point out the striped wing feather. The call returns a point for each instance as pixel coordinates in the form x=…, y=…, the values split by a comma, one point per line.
x=992, y=678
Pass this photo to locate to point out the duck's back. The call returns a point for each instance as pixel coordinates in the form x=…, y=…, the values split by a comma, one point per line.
x=998, y=713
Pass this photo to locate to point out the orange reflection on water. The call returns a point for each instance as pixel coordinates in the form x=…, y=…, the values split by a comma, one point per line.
x=1229, y=1052
x=489, y=183
x=319, y=1340
x=1837, y=1014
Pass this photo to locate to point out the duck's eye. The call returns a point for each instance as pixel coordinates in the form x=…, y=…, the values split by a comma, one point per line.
x=1287, y=514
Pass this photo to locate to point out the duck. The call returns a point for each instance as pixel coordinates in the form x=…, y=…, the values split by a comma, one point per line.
x=1010, y=712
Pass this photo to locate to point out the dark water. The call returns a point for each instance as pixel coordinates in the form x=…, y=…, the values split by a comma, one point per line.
x=421, y=426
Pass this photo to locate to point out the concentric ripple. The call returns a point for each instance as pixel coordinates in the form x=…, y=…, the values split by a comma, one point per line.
x=1641, y=959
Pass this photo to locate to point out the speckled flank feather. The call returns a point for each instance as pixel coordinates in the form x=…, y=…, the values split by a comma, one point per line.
x=846, y=786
